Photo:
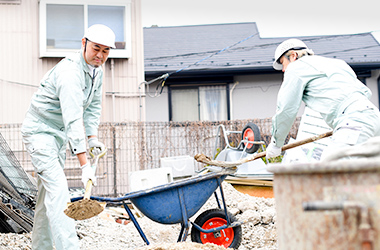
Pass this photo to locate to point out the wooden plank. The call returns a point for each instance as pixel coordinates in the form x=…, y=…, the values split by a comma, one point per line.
x=249, y=181
x=257, y=191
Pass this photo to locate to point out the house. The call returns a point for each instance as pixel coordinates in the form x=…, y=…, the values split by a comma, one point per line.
x=36, y=34
x=224, y=71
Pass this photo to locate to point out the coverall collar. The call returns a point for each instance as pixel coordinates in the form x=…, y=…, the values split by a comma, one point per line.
x=88, y=68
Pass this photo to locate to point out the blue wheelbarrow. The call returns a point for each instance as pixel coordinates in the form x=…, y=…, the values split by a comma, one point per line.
x=178, y=201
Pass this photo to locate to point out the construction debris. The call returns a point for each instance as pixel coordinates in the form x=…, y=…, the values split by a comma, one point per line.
x=17, y=193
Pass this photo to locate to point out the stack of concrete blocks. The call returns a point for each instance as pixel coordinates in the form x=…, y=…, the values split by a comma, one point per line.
x=172, y=168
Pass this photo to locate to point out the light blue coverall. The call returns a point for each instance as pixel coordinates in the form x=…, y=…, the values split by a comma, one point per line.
x=65, y=109
x=330, y=87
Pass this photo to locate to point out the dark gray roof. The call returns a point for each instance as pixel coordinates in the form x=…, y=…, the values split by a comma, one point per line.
x=169, y=49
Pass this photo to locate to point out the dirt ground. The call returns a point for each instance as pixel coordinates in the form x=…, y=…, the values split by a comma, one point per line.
x=102, y=232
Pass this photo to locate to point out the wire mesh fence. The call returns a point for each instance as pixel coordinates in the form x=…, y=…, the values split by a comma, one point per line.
x=135, y=146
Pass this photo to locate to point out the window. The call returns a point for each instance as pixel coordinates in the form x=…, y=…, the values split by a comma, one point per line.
x=63, y=23
x=204, y=103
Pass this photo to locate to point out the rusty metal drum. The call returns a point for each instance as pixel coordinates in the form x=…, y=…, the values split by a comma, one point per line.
x=328, y=205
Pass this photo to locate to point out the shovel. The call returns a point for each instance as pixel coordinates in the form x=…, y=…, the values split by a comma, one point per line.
x=87, y=208
x=207, y=160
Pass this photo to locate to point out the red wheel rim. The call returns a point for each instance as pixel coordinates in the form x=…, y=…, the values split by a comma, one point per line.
x=223, y=237
x=248, y=133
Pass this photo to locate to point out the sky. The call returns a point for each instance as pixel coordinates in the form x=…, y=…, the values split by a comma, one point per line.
x=274, y=18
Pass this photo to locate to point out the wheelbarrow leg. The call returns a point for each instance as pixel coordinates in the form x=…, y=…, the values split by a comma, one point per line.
x=185, y=219
x=223, y=200
x=217, y=200
x=183, y=234
x=135, y=223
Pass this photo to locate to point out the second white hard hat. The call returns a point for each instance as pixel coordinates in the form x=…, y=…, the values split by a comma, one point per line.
x=101, y=34
x=285, y=46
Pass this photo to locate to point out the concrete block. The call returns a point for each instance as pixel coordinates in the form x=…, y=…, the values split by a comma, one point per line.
x=182, y=166
x=144, y=179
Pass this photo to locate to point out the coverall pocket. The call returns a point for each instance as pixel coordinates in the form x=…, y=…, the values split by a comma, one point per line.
x=348, y=133
x=30, y=125
x=43, y=151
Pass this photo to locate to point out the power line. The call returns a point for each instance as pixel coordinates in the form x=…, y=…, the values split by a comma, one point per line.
x=213, y=54
x=247, y=48
x=264, y=88
x=262, y=61
x=19, y=83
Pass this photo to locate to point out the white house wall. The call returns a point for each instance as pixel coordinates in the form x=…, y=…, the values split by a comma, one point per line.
x=21, y=68
x=157, y=107
x=254, y=96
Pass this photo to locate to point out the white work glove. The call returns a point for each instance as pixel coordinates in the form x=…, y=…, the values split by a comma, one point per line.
x=96, y=145
x=272, y=150
x=88, y=173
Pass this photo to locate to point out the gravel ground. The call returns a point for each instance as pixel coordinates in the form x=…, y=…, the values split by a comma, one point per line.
x=102, y=232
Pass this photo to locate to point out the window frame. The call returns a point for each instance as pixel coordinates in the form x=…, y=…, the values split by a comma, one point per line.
x=197, y=87
x=114, y=53
x=170, y=98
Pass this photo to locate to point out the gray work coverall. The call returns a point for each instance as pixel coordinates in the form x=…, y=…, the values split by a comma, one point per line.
x=330, y=87
x=65, y=109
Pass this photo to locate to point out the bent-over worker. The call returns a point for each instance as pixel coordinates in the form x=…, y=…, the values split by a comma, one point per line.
x=65, y=109
x=328, y=86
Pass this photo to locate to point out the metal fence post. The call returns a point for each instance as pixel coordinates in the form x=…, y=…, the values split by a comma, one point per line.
x=114, y=161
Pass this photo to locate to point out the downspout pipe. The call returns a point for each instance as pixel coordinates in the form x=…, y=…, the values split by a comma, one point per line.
x=378, y=90
x=140, y=99
x=231, y=103
x=113, y=89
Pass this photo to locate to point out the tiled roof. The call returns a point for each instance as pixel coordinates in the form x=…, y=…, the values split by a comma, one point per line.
x=194, y=48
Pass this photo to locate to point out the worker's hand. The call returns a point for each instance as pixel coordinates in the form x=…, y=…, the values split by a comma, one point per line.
x=88, y=173
x=97, y=146
x=272, y=150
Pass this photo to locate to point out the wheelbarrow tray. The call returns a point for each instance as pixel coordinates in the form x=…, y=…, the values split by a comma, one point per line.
x=171, y=203
x=176, y=202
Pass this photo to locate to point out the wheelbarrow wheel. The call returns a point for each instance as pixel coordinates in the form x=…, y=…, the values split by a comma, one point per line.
x=252, y=133
x=229, y=237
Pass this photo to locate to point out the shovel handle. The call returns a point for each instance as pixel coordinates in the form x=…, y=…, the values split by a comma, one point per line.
x=298, y=143
x=208, y=160
x=87, y=193
x=307, y=140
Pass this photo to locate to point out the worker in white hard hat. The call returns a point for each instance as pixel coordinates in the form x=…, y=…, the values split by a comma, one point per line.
x=328, y=86
x=65, y=110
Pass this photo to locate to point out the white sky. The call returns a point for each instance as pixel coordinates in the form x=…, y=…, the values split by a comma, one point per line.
x=274, y=18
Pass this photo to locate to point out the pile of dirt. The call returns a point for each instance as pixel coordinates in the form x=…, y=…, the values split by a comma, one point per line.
x=83, y=209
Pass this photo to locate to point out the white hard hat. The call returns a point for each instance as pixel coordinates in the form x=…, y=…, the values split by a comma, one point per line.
x=101, y=34
x=285, y=46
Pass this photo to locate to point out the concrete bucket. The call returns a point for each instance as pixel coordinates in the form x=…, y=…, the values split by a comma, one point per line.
x=328, y=205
